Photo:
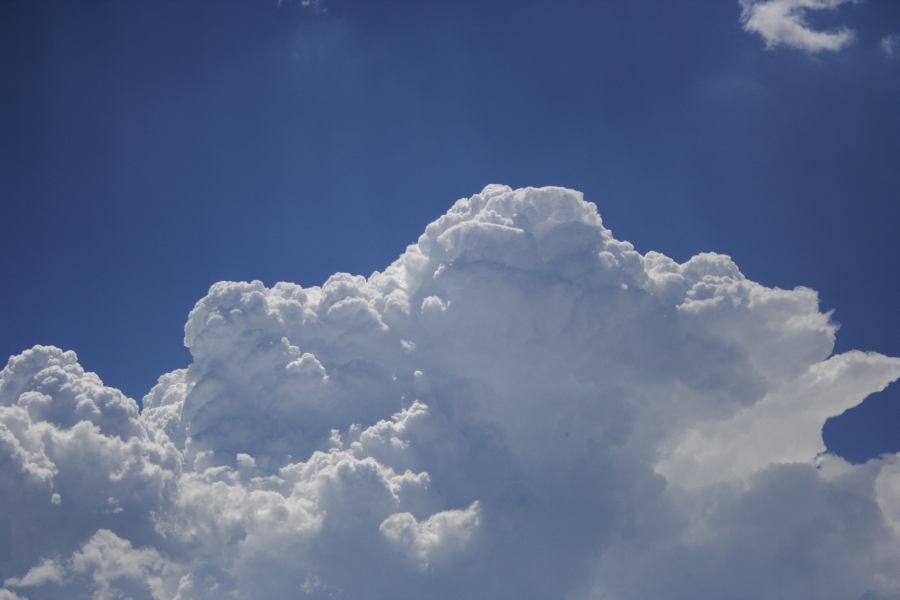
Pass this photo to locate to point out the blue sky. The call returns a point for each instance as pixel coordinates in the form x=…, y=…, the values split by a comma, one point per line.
x=148, y=150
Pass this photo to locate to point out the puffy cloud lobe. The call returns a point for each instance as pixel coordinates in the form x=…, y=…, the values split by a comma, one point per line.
x=782, y=22
x=431, y=541
x=520, y=405
x=74, y=457
x=109, y=567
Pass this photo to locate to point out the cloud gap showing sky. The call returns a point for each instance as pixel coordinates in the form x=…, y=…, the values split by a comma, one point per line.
x=520, y=406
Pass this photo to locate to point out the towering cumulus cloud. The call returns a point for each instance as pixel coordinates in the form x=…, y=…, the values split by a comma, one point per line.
x=521, y=406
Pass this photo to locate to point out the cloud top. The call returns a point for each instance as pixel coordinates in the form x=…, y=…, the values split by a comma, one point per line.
x=521, y=405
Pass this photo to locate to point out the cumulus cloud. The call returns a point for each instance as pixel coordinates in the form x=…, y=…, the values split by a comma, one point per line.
x=433, y=540
x=521, y=405
x=783, y=22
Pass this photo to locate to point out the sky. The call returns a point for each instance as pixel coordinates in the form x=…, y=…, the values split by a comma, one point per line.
x=550, y=393
x=151, y=149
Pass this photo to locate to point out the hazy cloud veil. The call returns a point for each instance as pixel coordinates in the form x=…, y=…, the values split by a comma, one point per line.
x=521, y=406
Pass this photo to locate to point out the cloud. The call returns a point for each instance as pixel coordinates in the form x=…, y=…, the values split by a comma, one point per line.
x=48, y=571
x=783, y=22
x=521, y=405
x=313, y=5
x=890, y=45
x=432, y=540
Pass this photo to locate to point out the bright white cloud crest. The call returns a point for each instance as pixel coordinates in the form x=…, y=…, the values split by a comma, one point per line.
x=521, y=406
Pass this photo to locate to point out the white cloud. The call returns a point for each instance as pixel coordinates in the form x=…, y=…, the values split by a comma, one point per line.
x=520, y=406
x=890, y=45
x=436, y=539
x=48, y=571
x=783, y=22
x=784, y=426
x=118, y=570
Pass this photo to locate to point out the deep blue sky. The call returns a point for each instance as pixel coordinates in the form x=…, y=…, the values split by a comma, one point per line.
x=149, y=149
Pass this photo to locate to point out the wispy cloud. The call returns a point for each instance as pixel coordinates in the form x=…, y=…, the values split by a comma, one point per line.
x=783, y=23
x=314, y=5
x=890, y=45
